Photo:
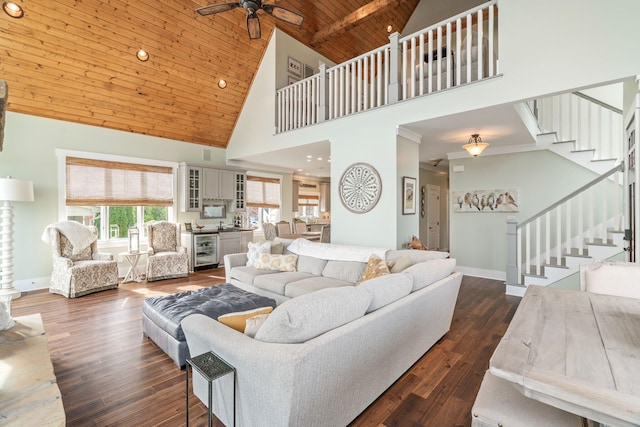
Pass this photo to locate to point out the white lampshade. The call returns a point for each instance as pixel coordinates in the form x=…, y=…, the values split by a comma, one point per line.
x=16, y=190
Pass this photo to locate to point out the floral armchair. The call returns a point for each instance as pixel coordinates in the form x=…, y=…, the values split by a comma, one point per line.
x=80, y=272
x=166, y=258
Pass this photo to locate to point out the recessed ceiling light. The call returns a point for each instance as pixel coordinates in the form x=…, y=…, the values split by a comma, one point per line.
x=12, y=9
x=142, y=55
x=222, y=83
x=389, y=28
x=309, y=156
x=319, y=158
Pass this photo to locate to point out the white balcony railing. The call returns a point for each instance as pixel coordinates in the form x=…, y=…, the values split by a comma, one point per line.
x=451, y=53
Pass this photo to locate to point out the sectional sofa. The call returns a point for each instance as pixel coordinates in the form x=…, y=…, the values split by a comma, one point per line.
x=331, y=347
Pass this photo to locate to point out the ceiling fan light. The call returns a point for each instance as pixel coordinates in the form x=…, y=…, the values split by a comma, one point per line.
x=475, y=145
x=12, y=9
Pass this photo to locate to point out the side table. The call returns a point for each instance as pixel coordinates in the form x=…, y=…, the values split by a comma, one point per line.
x=133, y=274
x=211, y=367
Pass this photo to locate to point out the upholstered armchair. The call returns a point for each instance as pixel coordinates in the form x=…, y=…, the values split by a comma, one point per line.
x=166, y=258
x=79, y=271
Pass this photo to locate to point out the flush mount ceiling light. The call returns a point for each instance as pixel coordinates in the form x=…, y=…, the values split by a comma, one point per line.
x=222, y=83
x=12, y=9
x=142, y=55
x=475, y=145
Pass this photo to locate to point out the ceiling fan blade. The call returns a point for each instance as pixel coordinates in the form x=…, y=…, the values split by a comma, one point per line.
x=217, y=8
x=253, y=26
x=284, y=14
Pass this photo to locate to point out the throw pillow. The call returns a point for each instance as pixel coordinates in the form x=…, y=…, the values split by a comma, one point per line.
x=254, y=323
x=375, y=268
x=310, y=315
x=238, y=319
x=255, y=249
x=400, y=264
x=276, y=262
x=277, y=248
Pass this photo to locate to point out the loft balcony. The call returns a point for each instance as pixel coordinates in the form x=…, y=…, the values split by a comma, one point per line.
x=459, y=51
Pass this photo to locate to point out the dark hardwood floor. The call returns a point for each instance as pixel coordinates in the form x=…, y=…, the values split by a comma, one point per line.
x=110, y=375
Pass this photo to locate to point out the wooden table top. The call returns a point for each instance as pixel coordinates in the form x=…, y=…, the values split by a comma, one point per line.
x=308, y=235
x=577, y=351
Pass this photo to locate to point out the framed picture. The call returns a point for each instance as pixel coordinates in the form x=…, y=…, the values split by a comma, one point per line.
x=187, y=226
x=408, y=195
x=291, y=80
x=294, y=67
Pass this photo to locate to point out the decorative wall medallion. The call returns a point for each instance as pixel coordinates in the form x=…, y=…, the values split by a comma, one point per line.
x=360, y=187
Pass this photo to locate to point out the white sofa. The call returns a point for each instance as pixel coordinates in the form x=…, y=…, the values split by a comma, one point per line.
x=322, y=357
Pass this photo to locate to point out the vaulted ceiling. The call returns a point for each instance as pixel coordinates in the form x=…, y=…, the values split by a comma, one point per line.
x=75, y=60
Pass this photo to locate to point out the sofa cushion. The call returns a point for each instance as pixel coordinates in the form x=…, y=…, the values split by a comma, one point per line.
x=425, y=273
x=300, y=287
x=387, y=289
x=255, y=249
x=375, y=267
x=311, y=265
x=238, y=320
x=248, y=274
x=308, y=316
x=348, y=271
x=276, y=262
x=277, y=248
x=400, y=264
x=277, y=282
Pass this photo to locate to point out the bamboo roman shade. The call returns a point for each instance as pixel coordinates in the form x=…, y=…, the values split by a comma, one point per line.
x=263, y=192
x=103, y=183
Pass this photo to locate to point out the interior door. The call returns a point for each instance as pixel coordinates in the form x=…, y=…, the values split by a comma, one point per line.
x=433, y=216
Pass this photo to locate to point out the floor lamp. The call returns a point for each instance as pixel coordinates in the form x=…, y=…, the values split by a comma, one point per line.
x=11, y=190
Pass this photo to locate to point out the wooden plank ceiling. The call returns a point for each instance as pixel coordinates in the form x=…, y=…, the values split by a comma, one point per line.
x=75, y=60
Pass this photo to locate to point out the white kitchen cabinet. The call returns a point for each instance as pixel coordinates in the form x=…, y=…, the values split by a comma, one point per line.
x=240, y=187
x=191, y=187
x=218, y=184
x=245, y=238
x=229, y=243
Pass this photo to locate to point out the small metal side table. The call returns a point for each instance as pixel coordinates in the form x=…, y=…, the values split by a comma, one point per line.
x=211, y=367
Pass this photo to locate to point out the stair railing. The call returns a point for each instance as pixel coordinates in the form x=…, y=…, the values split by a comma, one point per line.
x=584, y=216
x=591, y=123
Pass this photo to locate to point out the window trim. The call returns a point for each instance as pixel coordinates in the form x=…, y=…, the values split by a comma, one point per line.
x=62, y=155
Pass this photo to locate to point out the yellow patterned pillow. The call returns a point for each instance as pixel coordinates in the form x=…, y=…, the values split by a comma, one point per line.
x=375, y=268
x=276, y=262
x=238, y=320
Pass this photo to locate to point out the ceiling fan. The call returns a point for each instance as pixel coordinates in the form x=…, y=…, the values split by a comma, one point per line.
x=252, y=7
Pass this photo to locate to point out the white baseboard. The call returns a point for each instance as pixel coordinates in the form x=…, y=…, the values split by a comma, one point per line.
x=485, y=274
x=34, y=284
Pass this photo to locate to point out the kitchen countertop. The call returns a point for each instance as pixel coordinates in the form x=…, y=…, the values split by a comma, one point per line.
x=216, y=231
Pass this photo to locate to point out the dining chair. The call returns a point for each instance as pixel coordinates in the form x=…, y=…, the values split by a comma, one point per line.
x=283, y=228
x=300, y=227
x=269, y=231
x=325, y=234
x=612, y=278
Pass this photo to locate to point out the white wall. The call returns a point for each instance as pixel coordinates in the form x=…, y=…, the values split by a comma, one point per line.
x=407, y=153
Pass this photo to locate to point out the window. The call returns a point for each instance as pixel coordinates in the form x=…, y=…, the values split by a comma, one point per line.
x=115, y=195
x=308, y=204
x=263, y=200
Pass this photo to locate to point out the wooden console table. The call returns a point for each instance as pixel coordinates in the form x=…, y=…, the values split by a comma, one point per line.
x=577, y=351
x=29, y=395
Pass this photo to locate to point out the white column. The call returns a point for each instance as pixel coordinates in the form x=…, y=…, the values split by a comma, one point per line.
x=6, y=257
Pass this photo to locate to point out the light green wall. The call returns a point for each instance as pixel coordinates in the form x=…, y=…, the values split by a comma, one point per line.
x=29, y=153
x=479, y=240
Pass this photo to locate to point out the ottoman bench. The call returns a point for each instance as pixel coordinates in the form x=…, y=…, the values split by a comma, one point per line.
x=161, y=316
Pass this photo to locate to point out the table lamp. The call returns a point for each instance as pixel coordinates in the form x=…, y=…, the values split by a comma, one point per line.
x=11, y=190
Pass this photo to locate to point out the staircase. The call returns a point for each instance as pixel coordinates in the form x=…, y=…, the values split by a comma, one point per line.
x=587, y=224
